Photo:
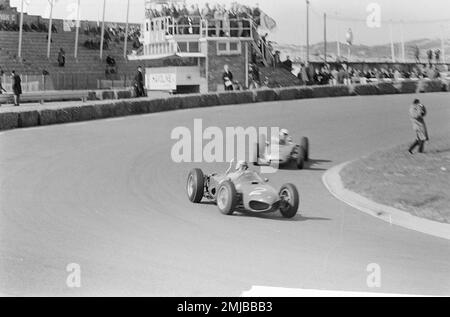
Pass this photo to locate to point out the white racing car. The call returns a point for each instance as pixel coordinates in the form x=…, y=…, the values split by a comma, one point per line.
x=282, y=151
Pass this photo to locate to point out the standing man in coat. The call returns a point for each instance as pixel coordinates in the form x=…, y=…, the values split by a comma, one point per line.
x=139, y=83
x=417, y=113
x=227, y=78
x=17, y=87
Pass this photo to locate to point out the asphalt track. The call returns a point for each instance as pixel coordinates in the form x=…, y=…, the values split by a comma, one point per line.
x=107, y=196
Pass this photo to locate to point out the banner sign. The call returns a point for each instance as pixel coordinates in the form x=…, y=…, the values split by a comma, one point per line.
x=7, y=17
x=166, y=81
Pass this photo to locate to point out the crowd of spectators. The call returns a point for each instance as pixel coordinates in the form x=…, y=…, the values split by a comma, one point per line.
x=112, y=34
x=345, y=75
x=27, y=27
x=233, y=20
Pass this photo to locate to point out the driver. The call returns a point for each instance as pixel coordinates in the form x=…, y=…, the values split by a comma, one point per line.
x=284, y=137
x=241, y=168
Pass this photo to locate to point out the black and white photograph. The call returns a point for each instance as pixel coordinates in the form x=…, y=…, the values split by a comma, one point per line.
x=230, y=151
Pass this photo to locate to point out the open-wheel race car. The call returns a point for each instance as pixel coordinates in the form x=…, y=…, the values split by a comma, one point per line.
x=281, y=151
x=242, y=190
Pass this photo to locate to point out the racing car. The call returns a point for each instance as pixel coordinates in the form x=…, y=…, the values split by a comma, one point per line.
x=242, y=190
x=281, y=151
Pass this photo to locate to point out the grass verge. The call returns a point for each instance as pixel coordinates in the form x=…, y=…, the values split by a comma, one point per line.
x=418, y=184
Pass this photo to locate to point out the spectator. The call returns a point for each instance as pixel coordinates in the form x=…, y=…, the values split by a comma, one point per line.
x=334, y=76
x=110, y=61
x=257, y=15
x=139, y=83
x=417, y=54
x=1, y=86
x=61, y=58
x=417, y=113
x=317, y=78
x=397, y=75
x=430, y=56
x=227, y=78
x=17, y=87
x=255, y=76
x=288, y=64
x=437, y=55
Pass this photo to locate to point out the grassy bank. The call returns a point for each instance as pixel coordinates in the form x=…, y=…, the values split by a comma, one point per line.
x=418, y=184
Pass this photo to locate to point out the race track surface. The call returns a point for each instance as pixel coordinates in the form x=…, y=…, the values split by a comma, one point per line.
x=107, y=196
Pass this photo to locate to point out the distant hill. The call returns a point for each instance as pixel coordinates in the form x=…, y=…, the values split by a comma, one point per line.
x=376, y=53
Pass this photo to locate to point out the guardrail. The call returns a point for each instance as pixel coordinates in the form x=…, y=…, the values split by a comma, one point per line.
x=72, y=81
x=17, y=117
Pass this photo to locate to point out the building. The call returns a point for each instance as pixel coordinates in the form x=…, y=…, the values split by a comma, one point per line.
x=187, y=53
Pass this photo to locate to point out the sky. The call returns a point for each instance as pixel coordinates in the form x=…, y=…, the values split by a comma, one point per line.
x=412, y=19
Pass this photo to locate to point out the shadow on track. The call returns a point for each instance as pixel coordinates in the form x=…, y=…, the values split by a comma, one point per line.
x=309, y=166
x=277, y=217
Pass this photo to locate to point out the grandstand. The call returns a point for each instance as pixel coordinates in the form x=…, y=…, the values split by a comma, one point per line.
x=34, y=56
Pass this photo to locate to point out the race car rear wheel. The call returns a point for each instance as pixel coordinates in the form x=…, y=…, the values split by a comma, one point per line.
x=305, y=145
x=289, y=200
x=227, y=198
x=300, y=158
x=195, y=185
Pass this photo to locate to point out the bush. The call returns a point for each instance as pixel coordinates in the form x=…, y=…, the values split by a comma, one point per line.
x=191, y=101
x=28, y=119
x=408, y=87
x=245, y=97
x=433, y=86
x=304, y=93
x=209, y=100
x=330, y=91
x=287, y=93
x=227, y=98
x=365, y=90
x=9, y=120
x=265, y=95
x=158, y=105
x=387, y=89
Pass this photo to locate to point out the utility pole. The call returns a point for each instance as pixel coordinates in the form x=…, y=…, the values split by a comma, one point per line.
x=307, y=31
x=50, y=26
x=75, y=55
x=325, y=36
x=403, y=43
x=392, y=44
x=125, y=46
x=19, y=54
x=443, y=43
x=102, y=40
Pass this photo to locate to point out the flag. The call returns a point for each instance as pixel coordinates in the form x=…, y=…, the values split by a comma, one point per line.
x=267, y=23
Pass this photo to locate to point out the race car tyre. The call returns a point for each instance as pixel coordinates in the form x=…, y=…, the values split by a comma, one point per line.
x=195, y=185
x=301, y=159
x=289, y=201
x=305, y=145
x=227, y=198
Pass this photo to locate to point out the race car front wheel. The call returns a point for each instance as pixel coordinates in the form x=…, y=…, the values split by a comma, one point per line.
x=195, y=186
x=289, y=201
x=227, y=198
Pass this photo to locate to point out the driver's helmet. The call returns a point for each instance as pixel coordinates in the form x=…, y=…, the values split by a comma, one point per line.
x=241, y=166
x=284, y=134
